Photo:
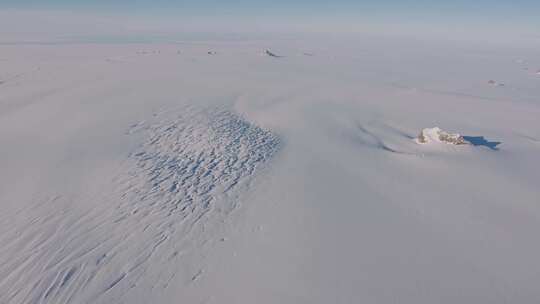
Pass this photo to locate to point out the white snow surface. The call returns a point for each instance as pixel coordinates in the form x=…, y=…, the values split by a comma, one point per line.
x=154, y=173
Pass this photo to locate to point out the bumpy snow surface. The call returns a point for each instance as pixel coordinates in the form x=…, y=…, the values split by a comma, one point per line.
x=174, y=183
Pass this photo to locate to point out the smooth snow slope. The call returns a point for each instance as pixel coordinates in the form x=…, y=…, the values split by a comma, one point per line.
x=138, y=173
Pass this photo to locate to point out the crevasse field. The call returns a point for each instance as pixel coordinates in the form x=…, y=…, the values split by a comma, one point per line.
x=162, y=173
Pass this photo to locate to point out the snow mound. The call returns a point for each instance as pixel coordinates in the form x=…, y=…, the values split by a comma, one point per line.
x=435, y=134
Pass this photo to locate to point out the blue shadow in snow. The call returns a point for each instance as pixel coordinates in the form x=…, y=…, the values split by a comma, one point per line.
x=482, y=141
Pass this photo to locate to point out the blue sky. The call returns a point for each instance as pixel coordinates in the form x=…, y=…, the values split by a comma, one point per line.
x=346, y=15
x=495, y=8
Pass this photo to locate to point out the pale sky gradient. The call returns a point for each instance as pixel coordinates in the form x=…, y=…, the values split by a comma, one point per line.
x=495, y=19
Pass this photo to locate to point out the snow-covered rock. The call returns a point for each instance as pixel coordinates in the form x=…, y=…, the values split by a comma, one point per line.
x=435, y=134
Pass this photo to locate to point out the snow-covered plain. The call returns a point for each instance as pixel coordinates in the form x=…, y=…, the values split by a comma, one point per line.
x=212, y=172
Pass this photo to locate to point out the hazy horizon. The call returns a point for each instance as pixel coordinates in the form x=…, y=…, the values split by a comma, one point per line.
x=484, y=20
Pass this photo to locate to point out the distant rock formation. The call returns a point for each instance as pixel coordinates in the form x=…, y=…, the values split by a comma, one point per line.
x=267, y=52
x=495, y=83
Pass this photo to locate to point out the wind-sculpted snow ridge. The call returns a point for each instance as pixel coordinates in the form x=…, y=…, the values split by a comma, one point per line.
x=186, y=177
